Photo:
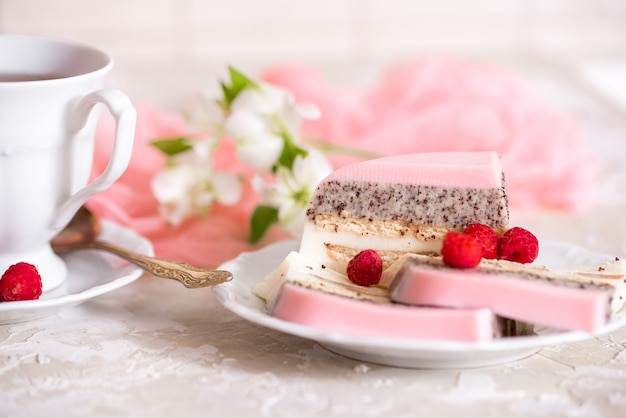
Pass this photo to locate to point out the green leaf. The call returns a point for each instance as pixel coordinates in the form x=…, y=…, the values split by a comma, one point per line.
x=290, y=152
x=238, y=82
x=262, y=219
x=173, y=146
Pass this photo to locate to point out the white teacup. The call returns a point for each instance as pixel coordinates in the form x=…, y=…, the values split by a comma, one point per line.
x=48, y=89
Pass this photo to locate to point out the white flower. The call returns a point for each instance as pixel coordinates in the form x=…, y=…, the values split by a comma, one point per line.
x=256, y=144
x=293, y=189
x=263, y=121
x=262, y=117
x=189, y=185
x=203, y=113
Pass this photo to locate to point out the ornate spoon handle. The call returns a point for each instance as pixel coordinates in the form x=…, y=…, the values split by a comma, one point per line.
x=190, y=276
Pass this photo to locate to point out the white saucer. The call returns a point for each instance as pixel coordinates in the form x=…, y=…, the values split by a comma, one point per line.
x=250, y=268
x=90, y=274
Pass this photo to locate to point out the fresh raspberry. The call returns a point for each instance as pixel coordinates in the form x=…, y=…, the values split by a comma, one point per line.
x=518, y=244
x=461, y=251
x=486, y=236
x=21, y=281
x=365, y=268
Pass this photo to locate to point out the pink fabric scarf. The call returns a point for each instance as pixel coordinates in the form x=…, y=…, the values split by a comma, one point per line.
x=430, y=105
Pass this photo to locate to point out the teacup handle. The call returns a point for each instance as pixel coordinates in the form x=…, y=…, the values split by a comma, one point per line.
x=125, y=115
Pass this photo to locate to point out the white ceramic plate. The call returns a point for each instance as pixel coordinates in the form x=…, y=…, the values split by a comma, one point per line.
x=90, y=274
x=250, y=268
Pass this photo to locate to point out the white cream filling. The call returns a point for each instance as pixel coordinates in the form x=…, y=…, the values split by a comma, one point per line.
x=313, y=243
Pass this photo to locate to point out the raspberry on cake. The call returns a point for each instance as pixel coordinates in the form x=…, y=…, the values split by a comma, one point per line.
x=403, y=204
x=461, y=251
x=487, y=237
x=518, y=244
x=365, y=268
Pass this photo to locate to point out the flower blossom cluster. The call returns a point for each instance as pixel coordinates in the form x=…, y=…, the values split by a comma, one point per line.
x=263, y=122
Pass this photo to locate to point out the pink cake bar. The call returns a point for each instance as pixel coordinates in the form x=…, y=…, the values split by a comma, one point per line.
x=530, y=298
x=402, y=204
x=334, y=313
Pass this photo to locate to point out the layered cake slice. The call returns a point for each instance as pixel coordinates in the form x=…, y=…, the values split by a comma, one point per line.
x=402, y=208
x=583, y=300
x=402, y=204
x=306, y=293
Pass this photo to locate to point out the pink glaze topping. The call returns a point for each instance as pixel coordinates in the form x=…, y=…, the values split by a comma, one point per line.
x=334, y=313
x=446, y=169
x=528, y=300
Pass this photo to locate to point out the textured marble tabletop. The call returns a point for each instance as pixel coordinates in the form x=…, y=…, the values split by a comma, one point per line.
x=154, y=348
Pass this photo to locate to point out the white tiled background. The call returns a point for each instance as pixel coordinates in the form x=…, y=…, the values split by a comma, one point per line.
x=166, y=49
